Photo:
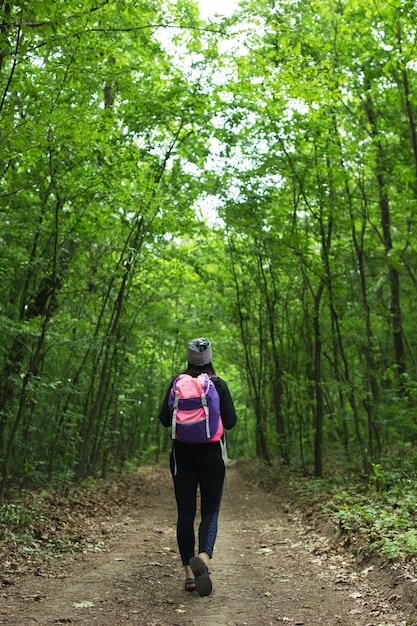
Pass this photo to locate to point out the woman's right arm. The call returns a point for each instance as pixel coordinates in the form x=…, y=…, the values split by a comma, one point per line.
x=165, y=416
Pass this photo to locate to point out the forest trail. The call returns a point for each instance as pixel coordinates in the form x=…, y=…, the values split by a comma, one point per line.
x=269, y=567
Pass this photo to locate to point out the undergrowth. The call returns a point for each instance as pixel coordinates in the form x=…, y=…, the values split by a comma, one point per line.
x=47, y=525
x=374, y=513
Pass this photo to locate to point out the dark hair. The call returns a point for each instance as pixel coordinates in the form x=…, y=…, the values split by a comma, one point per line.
x=196, y=370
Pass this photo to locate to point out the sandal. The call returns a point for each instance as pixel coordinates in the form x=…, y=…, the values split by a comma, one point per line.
x=202, y=576
x=188, y=583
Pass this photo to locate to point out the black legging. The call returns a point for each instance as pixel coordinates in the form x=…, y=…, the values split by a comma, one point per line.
x=197, y=464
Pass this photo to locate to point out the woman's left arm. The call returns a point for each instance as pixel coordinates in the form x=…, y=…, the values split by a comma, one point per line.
x=227, y=408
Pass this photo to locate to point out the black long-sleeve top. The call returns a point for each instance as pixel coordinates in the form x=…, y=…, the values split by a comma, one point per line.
x=227, y=409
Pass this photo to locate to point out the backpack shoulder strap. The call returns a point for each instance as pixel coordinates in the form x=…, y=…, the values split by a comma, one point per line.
x=174, y=408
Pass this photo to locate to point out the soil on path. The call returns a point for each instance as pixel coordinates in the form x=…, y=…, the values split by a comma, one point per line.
x=270, y=566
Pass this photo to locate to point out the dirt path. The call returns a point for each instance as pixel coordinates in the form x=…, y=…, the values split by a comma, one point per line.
x=268, y=568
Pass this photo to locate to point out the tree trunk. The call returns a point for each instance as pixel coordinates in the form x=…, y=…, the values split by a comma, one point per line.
x=394, y=277
x=254, y=371
x=319, y=414
x=110, y=349
x=271, y=299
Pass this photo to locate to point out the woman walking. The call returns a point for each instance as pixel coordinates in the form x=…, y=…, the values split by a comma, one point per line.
x=196, y=465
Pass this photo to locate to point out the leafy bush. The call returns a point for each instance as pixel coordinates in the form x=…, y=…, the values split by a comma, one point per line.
x=14, y=518
x=384, y=519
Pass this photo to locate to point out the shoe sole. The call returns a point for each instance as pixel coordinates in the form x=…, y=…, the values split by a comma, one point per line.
x=202, y=576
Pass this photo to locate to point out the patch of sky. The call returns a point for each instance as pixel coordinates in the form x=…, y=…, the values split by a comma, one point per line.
x=207, y=209
x=212, y=8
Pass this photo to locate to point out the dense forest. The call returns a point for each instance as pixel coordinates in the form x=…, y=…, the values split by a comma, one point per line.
x=250, y=179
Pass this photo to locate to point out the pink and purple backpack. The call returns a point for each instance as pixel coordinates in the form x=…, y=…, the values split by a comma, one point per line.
x=195, y=407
